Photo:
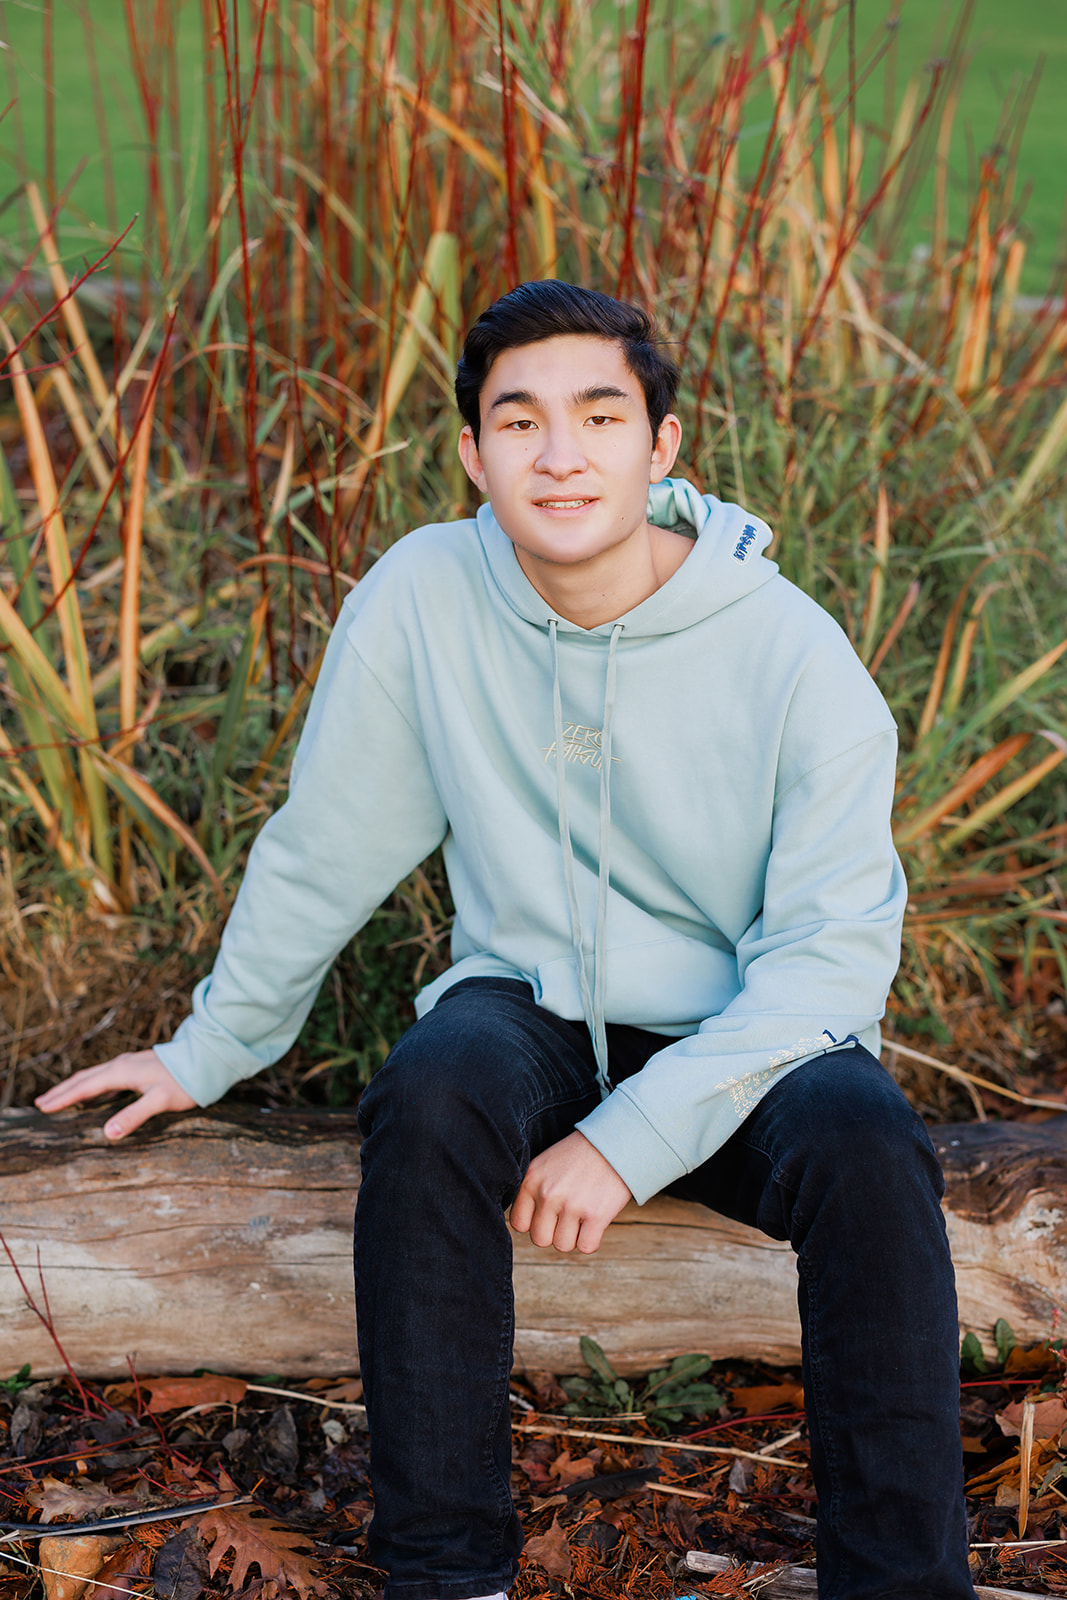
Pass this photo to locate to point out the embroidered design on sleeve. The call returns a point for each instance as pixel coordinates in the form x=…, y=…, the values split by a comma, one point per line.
x=747, y=1092
x=802, y=1047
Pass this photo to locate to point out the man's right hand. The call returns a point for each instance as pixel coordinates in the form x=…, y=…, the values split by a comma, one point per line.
x=140, y=1071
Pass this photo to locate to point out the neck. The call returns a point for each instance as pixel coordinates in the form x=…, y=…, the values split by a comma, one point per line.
x=589, y=593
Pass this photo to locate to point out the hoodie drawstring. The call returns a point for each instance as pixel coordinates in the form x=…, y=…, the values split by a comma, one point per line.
x=594, y=997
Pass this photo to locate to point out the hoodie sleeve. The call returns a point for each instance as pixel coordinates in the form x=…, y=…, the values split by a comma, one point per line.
x=362, y=812
x=815, y=968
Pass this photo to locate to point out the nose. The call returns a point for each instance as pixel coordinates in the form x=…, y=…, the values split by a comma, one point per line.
x=562, y=452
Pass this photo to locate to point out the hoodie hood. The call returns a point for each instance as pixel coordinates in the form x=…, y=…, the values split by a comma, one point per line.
x=726, y=564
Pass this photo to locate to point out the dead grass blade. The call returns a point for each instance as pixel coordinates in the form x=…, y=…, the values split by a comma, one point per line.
x=72, y=316
x=978, y=774
x=136, y=792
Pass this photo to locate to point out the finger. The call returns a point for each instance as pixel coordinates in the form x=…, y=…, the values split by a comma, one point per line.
x=130, y=1117
x=83, y=1085
x=565, y=1236
x=590, y=1236
x=543, y=1225
x=522, y=1210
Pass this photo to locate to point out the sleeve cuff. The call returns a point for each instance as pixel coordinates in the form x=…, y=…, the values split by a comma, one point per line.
x=622, y=1133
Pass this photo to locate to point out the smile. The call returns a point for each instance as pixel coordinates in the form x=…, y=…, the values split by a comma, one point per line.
x=563, y=505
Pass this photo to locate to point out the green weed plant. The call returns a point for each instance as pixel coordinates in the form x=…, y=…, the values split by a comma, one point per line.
x=200, y=459
x=665, y=1398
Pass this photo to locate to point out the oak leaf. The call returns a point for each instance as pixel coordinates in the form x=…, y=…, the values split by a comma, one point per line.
x=551, y=1551
x=567, y=1471
x=55, y=1499
x=279, y=1553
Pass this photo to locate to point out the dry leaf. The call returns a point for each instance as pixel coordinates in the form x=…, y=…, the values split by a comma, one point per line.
x=173, y=1394
x=551, y=1551
x=1044, y=1453
x=1050, y=1418
x=55, y=1499
x=547, y=1391
x=180, y=1571
x=347, y=1390
x=123, y=1570
x=68, y=1566
x=567, y=1471
x=768, y=1397
x=1032, y=1363
x=257, y=1541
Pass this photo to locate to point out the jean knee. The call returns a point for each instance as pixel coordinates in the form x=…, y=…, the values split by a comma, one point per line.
x=453, y=1081
x=860, y=1132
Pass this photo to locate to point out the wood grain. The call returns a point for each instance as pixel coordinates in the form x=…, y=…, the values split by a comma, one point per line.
x=222, y=1239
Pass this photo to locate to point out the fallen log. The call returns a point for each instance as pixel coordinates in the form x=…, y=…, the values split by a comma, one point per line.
x=222, y=1240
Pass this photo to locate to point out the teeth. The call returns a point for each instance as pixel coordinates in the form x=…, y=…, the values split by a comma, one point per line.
x=564, y=505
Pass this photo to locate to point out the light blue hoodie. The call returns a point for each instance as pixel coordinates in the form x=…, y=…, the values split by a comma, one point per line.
x=678, y=820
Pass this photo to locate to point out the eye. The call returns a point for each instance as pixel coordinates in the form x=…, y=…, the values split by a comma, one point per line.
x=599, y=421
x=520, y=425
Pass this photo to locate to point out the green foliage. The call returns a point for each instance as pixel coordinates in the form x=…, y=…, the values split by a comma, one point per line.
x=666, y=1396
x=972, y=1357
x=17, y=1382
x=1004, y=1339
x=901, y=425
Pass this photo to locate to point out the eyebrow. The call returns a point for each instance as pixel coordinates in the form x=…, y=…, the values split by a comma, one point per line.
x=584, y=397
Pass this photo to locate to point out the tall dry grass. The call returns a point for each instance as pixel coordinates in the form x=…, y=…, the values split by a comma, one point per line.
x=213, y=442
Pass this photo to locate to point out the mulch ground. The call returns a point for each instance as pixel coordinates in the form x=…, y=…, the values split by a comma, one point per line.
x=604, y=1517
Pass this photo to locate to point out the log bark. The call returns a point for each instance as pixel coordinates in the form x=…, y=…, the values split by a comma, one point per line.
x=222, y=1240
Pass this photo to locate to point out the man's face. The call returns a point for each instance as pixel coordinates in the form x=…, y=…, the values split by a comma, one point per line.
x=566, y=452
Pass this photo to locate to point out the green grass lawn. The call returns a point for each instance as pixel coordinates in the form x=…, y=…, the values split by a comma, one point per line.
x=1007, y=42
x=84, y=29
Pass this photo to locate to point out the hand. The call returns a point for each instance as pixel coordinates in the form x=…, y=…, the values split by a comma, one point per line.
x=569, y=1195
x=139, y=1070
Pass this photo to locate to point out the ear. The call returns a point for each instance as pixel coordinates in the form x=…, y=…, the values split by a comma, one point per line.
x=472, y=461
x=665, y=450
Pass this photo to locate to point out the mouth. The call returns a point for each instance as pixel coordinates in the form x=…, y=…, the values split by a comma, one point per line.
x=570, y=504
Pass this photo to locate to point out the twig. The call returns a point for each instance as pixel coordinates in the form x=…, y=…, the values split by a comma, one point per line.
x=655, y=1444
x=92, y=1582
x=71, y=1455
x=46, y=1318
x=969, y=1077
x=778, y=1444
x=136, y=1519
x=1018, y=1544
x=674, y=1488
x=294, y=1394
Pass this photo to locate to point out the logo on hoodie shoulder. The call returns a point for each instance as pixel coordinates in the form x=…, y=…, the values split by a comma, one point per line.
x=748, y=535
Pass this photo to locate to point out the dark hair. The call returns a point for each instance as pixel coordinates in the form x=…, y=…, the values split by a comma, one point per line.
x=546, y=309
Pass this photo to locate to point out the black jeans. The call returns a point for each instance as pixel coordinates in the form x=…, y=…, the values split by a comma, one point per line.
x=832, y=1159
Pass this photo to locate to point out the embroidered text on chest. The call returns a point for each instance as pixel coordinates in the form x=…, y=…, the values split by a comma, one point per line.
x=580, y=744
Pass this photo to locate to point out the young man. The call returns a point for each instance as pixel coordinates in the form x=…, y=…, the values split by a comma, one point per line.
x=663, y=783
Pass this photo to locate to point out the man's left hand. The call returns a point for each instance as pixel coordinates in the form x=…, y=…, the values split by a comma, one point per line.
x=568, y=1197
